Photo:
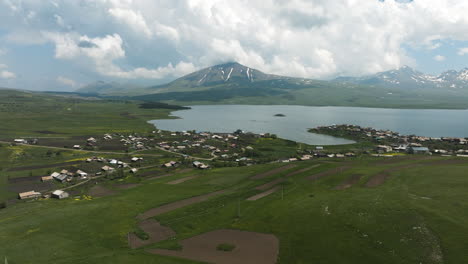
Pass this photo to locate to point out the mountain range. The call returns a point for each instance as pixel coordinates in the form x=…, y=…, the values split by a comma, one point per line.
x=406, y=77
x=233, y=83
x=233, y=75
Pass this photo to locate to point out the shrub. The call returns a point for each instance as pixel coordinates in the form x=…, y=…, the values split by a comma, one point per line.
x=225, y=247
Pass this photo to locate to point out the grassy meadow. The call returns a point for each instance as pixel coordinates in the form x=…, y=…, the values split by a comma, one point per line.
x=417, y=216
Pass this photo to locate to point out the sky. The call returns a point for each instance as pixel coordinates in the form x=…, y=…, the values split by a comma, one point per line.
x=63, y=44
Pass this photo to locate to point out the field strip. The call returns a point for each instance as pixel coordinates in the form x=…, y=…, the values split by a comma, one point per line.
x=263, y=194
x=250, y=248
x=268, y=185
x=272, y=172
x=176, y=205
x=34, y=167
x=381, y=177
x=182, y=180
x=154, y=230
x=302, y=170
x=349, y=182
x=328, y=172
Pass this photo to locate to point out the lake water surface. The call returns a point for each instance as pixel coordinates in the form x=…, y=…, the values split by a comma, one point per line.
x=261, y=119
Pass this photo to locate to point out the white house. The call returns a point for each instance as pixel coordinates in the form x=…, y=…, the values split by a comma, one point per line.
x=59, y=194
x=81, y=173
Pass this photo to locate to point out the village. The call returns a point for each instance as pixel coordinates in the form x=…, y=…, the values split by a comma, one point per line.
x=203, y=150
x=387, y=141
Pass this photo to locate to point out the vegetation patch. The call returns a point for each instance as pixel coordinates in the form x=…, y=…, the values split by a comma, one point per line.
x=225, y=247
x=158, y=105
x=141, y=234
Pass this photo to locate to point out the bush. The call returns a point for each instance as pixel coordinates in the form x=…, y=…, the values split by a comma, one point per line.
x=141, y=234
x=225, y=247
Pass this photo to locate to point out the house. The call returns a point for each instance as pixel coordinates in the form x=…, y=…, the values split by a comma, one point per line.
x=63, y=171
x=319, y=148
x=135, y=159
x=55, y=174
x=419, y=150
x=20, y=141
x=167, y=165
x=47, y=178
x=76, y=146
x=107, y=169
x=61, y=177
x=59, y=194
x=384, y=148
x=29, y=195
x=133, y=170
x=81, y=173
x=91, y=140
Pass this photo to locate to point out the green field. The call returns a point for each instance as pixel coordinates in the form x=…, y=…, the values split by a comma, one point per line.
x=416, y=211
x=38, y=115
x=417, y=216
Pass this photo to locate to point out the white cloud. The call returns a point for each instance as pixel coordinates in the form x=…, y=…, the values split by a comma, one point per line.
x=3, y=66
x=463, y=51
x=133, y=19
x=439, y=58
x=7, y=75
x=66, y=81
x=309, y=38
x=102, y=54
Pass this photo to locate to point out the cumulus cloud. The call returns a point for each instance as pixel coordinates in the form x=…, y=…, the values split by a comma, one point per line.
x=439, y=58
x=463, y=51
x=306, y=38
x=66, y=81
x=102, y=52
x=7, y=75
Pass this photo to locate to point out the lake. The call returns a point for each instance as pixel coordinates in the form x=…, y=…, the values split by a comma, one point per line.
x=297, y=119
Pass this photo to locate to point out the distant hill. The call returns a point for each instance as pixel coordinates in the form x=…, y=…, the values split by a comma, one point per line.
x=408, y=78
x=109, y=88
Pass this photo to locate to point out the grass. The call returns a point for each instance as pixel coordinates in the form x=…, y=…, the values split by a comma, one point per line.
x=37, y=115
x=417, y=216
x=388, y=224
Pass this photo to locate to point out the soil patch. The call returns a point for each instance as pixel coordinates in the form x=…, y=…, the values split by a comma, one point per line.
x=301, y=171
x=182, y=180
x=159, y=176
x=48, y=132
x=263, y=194
x=44, y=166
x=26, y=186
x=127, y=186
x=328, y=173
x=348, y=183
x=100, y=191
x=272, y=172
x=155, y=231
x=268, y=185
x=176, y=205
x=380, y=178
x=24, y=179
x=251, y=248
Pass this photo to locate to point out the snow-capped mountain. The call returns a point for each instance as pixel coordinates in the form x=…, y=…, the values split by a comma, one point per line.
x=406, y=77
